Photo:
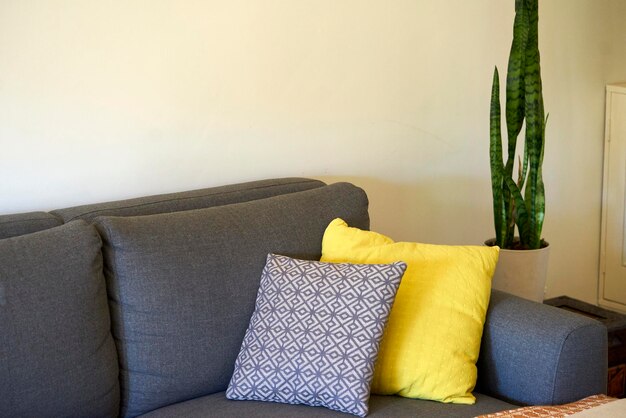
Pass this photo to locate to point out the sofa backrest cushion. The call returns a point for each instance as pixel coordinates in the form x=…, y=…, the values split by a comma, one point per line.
x=194, y=199
x=26, y=223
x=182, y=285
x=57, y=355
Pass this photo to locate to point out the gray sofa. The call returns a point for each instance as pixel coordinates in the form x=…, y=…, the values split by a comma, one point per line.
x=139, y=307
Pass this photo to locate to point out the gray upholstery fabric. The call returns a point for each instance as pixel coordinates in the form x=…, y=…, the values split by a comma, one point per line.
x=539, y=355
x=195, y=199
x=182, y=285
x=26, y=223
x=217, y=406
x=57, y=355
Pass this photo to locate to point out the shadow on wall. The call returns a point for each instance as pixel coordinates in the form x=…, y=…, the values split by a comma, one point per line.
x=457, y=211
x=444, y=210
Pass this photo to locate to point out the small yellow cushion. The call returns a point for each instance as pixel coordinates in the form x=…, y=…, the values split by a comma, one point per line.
x=432, y=339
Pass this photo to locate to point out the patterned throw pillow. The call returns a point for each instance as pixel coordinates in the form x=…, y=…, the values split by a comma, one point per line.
x=314, y=335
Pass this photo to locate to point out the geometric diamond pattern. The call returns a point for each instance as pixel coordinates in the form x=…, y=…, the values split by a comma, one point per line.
x=314, y=335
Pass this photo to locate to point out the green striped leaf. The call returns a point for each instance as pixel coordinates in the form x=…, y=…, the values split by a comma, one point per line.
x=520, y=203
x=515, y=82
x=497, y=166
x=535, y=122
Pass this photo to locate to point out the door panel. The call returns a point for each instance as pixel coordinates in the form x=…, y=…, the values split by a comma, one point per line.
x=613, y=254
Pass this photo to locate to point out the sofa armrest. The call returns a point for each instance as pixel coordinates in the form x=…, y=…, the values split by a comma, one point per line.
x=534, y=354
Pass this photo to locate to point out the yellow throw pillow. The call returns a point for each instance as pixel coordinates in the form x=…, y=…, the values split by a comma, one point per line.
x=432, y=340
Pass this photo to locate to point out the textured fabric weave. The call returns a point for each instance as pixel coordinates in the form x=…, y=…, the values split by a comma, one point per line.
x=217, y=406
x=573, y=348
x=182, y=285
x=26, y=223
x=57, y=356
x=557, y=411
x=433, y=338
x=315, y=332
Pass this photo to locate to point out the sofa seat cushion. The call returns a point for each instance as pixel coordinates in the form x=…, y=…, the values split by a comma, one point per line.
x=57, y=356
x=218, y=406
x=182, y=285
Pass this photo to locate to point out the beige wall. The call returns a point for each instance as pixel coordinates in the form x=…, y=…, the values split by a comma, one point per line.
x=106, y=100
x=616, y=71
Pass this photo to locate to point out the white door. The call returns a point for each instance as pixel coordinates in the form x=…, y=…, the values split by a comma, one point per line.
x=613, y=244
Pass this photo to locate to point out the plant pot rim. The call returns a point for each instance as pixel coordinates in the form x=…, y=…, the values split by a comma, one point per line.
x=491, y=243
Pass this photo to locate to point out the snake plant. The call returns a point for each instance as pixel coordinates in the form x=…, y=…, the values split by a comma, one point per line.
x=520, y=202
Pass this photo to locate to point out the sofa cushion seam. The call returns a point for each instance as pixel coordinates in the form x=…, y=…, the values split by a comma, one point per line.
x=187, y=198
x=22, y=221
x=558, y=362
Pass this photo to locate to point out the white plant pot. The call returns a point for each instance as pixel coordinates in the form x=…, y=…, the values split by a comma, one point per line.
x=522, y=272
